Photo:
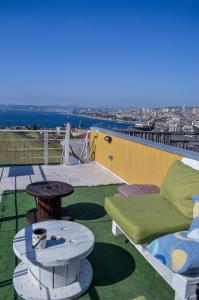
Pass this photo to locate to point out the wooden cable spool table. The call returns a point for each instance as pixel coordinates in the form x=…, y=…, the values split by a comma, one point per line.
x=61, y=270
x=49, y=194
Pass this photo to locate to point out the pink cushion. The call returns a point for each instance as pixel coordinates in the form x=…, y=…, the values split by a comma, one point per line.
x=137, y=189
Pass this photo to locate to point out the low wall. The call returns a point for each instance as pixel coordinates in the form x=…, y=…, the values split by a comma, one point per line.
x=133, y=159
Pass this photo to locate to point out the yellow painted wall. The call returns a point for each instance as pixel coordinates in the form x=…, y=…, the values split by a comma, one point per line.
x=133, y=162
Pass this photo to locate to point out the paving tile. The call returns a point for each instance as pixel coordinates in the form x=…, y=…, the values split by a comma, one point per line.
x=90, y=174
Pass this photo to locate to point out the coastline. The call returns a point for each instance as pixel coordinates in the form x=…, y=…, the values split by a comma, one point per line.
x=102, y=118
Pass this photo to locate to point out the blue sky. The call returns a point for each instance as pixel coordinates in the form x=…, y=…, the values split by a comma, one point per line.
x=106, y=52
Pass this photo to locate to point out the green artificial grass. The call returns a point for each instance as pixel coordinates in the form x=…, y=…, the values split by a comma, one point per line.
x=120, y=272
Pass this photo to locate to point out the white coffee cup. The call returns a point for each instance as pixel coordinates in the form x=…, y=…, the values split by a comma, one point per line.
x=39, y=238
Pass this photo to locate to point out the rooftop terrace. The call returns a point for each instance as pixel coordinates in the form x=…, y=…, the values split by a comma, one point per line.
x=120, y=272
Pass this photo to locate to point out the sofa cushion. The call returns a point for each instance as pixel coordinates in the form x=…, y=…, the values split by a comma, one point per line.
x=177, y=251
x=181, y=182
x=180, y=251
x=143, y=218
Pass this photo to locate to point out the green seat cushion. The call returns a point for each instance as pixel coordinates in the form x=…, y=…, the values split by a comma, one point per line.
x=144, y=218
x=180, y=184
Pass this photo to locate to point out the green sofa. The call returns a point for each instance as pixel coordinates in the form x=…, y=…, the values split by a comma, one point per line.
x=143, y=218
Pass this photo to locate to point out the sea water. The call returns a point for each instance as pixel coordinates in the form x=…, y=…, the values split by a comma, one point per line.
x=53, y=119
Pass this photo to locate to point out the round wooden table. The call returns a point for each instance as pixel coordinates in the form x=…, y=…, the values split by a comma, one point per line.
x=49, y=194
x=61, y=270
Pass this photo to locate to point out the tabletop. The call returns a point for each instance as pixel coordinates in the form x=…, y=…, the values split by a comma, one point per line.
x=73, y=241
x=49, y=189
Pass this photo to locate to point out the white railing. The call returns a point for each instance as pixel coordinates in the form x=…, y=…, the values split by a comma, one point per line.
x=34, y=146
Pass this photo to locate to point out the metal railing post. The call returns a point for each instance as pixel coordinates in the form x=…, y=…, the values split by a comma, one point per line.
x=46, y=147
x=87, y=145
x=66, y=145
x=85, y=153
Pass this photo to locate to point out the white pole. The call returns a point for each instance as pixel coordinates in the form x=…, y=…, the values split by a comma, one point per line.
x=46, y=148
x=86, y=155
x=66, y=145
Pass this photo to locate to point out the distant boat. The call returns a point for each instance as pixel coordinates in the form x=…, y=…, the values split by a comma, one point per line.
x=143, y=126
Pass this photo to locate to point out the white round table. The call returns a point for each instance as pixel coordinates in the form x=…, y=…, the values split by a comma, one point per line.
x=60, y=271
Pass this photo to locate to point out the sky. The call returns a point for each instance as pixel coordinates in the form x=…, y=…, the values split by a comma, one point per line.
x=99, y=52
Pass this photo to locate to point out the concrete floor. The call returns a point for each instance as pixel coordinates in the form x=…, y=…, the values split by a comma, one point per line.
x=91, y=174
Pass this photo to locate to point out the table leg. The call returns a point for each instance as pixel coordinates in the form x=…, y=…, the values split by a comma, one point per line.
x=49, y=208
x=58, y=283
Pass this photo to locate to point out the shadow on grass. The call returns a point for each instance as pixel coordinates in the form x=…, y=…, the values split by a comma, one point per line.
x=3, y=219
x=5, y=282
x=86, y=211
x=93, y=295
x=111, y=264
x=16, y=230
x=15, y=218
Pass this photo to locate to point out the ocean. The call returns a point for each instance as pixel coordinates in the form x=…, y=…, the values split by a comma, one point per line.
x=53, y=119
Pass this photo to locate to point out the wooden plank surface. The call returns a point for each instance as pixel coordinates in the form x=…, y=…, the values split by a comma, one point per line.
x=74, y=241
